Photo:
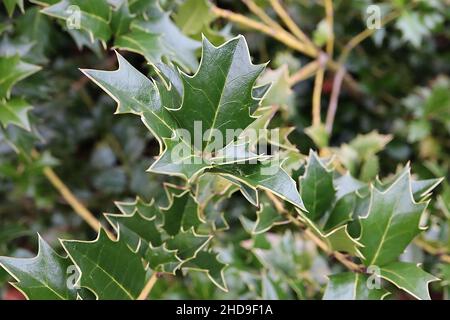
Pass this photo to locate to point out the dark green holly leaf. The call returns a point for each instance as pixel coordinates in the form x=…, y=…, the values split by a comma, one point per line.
x=316, y=187
x=12, y=70
x=337, y=239
x=136, y=94
x=222, y=89
x=182, y=214
x=267, y=217
x=177, y=47
x=266, y=175
x=421, y=189
x=121, y=18
x=408, y=277
x=178, y=159
x=352, y=286
x=15, y=111
x=147, y=210
x=108, y=268
x=193, y=16
x=187, y=244
x=206, y=261
x=162, y=260
x=144, y=43
x=347, y=184
x=342, y=211
x=42, y=277
x=37, y=30
x=91, y=16
x=136, y=230
x=11, y=6
x=391, y=223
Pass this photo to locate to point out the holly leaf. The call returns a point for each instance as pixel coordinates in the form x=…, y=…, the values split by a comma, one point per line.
x=187, y=244
x=265, y=175
x=10, y=6
x=280, y=92
x=352, y=286
x=164, y=237
x=121, y=18
x=367, y=145
x=193, y=16
x=219, y=95
x=162, y=259
x=144, y=43
x=43, y=277
x=421, y=189
x=316, y=187
x=391, y=223
x=342, y=211
x=337, y=239
x=408, y=277
x=267, y=217
x=346, y=184
x=108, y=268
x=136, y=230
x=12, y=70
x=136, y=94
x=10, y=47
x=318, y=134
x=146, y=210
x=178, y=47
x=15, y=111
x=91, y=16
x=208, y=262
x=182, y=214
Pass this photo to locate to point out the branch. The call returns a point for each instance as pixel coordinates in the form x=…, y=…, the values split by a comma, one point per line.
x=262, y=15
x=330, y=22
x=148, y=287
x=332, y=107
x=360, y=37
x=317, y=93
x=293, y=27
x=286, y=38
x=439, y=252
x=282, y=36
x=304, y=72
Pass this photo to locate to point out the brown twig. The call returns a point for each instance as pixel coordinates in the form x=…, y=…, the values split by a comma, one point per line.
x=262, y=15
x=148, y=287
x=293, y=27
x=282, y=36
x=330, y=22
x=441, y=253
x=317, y=93
x=304, y=72
x=360, y=37
x=332, y=107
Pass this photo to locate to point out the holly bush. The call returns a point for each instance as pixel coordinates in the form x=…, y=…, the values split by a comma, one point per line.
x=255, y=149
